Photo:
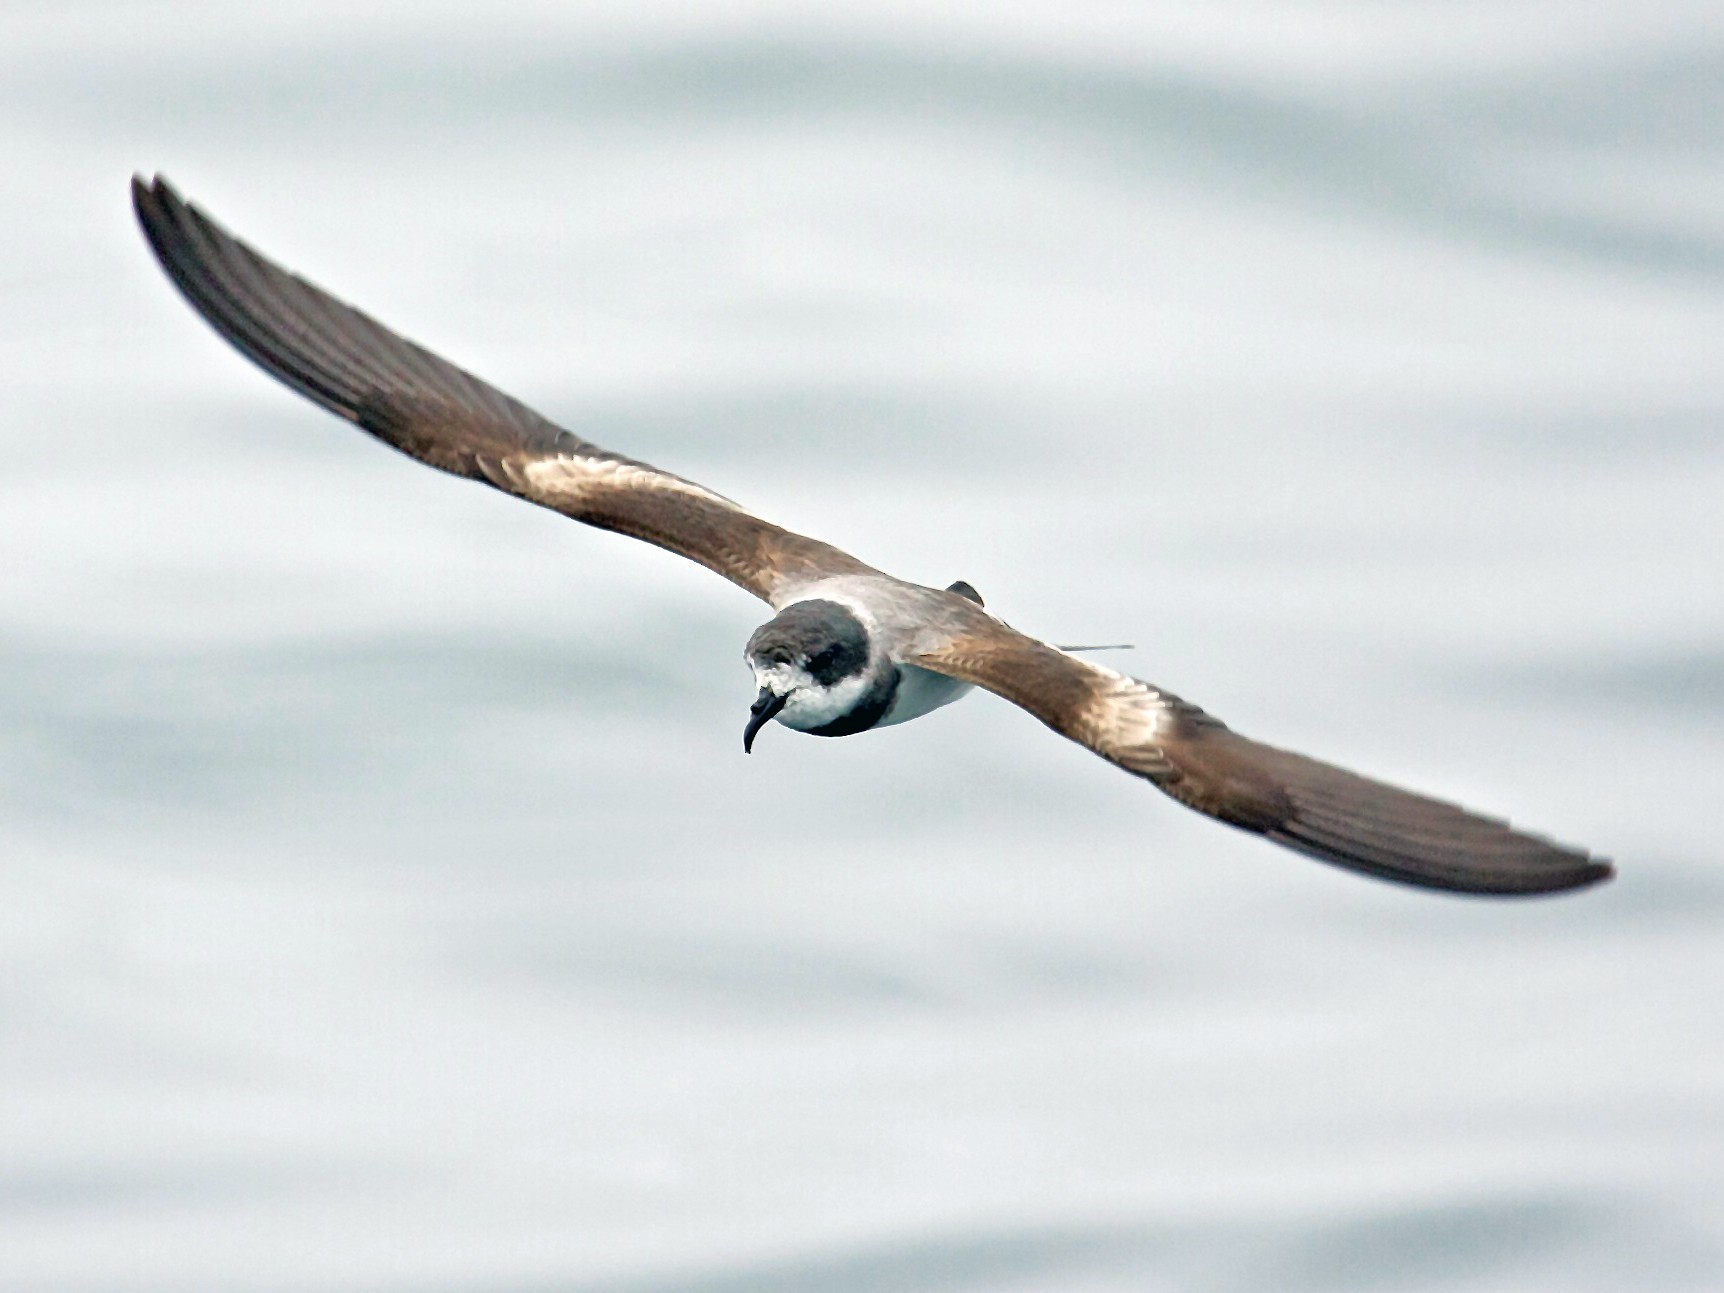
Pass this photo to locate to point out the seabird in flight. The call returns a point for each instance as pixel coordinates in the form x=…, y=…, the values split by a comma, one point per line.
x=848, y=648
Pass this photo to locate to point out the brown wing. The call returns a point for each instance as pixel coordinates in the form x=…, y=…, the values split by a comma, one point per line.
x=1315, y=808
x=442, y=415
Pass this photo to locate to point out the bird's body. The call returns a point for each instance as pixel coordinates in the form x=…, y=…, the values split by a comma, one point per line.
x=849, y=648
x=857, y=635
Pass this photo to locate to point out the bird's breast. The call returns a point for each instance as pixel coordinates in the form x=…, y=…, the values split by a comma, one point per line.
x=920, y=690
x=847, y=708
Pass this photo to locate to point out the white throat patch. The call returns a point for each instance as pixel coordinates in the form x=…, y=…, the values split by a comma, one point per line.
x=808, y=705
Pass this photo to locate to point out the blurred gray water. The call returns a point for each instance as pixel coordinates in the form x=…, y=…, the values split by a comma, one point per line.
x=386, y=903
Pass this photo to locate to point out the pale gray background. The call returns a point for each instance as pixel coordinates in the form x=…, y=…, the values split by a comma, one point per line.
x=386, y=903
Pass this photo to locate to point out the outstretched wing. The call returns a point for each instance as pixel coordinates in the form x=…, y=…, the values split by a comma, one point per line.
x=1315, y=808
x=442, y=415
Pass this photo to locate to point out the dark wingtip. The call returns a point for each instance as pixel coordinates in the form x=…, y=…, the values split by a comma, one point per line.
x=1583, y=872
x=143, y=198
x=1533, y=866
x=150, y=193
x=154, y=202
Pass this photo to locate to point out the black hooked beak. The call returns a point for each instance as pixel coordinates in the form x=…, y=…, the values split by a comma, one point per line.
x=760, y=714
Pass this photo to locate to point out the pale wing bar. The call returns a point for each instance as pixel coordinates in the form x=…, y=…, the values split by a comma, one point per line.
x=1315, y=808
x=419, y=403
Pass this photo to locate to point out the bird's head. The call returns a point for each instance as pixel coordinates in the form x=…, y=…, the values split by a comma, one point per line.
x=816, y=666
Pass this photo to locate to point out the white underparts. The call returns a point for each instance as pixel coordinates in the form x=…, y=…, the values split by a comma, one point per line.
x=919, y=691
x=808, y=705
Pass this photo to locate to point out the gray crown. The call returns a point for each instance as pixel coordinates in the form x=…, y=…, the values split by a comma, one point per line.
x=820, y=636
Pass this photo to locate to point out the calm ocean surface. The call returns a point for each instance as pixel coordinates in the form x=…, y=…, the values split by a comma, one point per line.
x=385, y=901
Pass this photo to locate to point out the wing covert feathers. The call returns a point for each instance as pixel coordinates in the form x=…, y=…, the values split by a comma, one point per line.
x=425, y=406
x=1314, y=808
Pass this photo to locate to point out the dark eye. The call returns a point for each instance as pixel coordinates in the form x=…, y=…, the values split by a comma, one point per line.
x=834, y=661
